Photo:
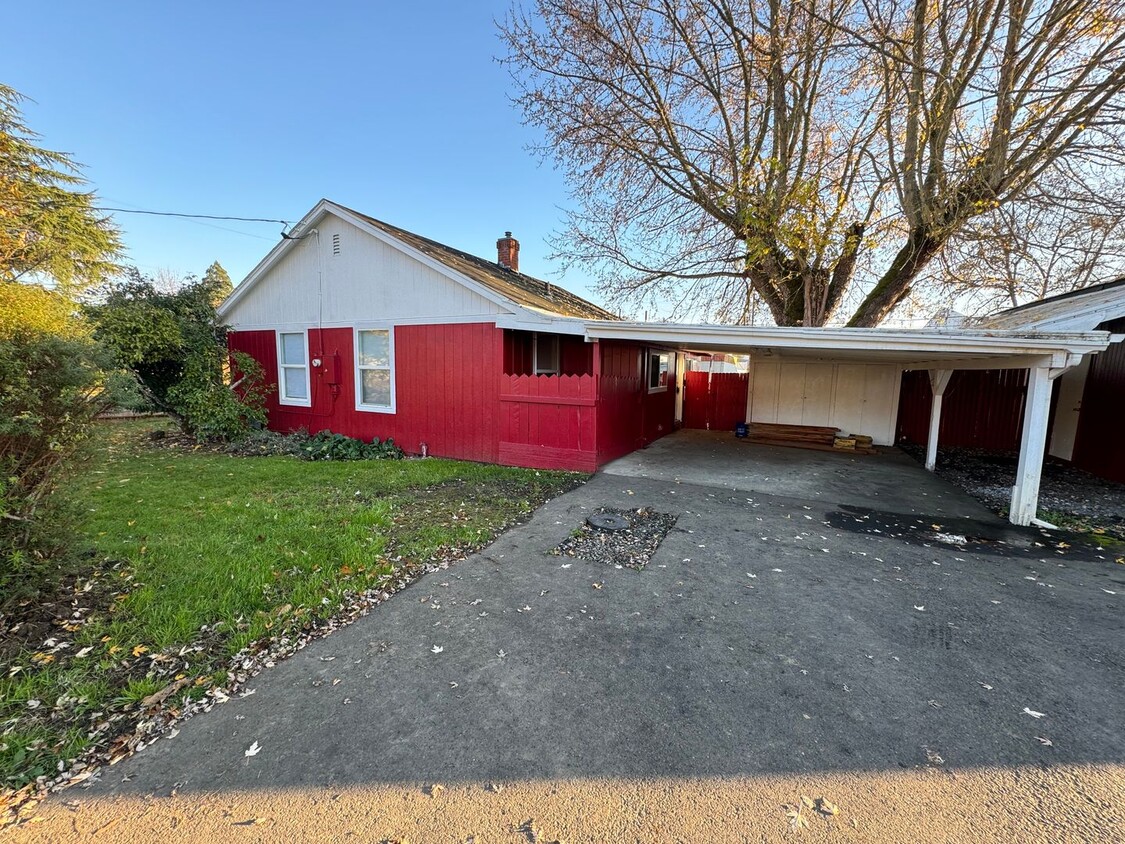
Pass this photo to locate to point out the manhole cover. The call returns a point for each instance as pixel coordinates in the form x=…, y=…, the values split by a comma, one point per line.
x=608, y=521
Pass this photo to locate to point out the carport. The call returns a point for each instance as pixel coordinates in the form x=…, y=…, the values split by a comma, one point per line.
x=850, y=377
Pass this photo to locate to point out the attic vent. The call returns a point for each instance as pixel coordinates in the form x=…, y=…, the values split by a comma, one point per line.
x=336, y=244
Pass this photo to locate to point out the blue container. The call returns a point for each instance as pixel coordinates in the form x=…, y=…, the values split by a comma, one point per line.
x=741, y=430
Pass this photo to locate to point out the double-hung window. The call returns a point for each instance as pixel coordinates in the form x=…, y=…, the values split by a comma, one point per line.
x=660, y=371
x=293, y=369
x=375, y=386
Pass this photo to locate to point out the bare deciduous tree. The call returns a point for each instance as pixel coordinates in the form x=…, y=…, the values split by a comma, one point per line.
x=731, y=151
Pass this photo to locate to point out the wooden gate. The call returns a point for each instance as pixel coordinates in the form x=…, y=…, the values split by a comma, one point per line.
x=715, y=401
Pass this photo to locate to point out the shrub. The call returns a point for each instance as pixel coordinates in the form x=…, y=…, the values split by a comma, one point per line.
x=323, y=446
x=51, y=391
x=329, y=446
x=173, y=344
x=213, y=410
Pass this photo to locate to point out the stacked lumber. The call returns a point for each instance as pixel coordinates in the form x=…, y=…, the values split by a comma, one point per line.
x=816, y=437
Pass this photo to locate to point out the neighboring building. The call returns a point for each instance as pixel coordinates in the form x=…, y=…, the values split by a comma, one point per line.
x=984, y=408
x=372, y=331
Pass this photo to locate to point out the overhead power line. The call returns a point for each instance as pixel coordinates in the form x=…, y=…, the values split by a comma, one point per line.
x=193, y=216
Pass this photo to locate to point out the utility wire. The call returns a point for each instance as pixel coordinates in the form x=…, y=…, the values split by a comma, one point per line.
x=192, y=216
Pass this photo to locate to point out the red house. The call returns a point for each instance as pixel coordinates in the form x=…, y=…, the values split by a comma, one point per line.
x=372, y=331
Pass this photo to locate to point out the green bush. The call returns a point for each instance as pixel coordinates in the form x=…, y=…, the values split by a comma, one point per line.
x=176, y=349
x=328, y=446
x=51, y=391
x=213, y=410
x=322, y=446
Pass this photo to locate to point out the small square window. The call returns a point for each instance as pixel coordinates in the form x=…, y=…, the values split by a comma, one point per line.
x=546, y=354
x=660, y=371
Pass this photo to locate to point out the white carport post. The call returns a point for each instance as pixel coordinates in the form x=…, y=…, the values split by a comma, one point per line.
x=1036, y=412
x=939, y=380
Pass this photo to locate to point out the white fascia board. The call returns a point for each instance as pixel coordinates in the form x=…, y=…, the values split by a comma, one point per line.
x=274, y=255
x=906, y=341
x=1079, y=313
x=326, y=206
x=542, y=322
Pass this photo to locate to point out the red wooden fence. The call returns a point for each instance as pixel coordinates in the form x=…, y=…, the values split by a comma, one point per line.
x=549, y=420
x=981, y=408
x=1098, y=447
x=715, y=401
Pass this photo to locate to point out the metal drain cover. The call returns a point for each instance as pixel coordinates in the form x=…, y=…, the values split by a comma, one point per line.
x=608, y=521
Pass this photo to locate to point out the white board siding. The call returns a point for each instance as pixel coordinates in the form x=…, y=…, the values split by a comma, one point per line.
x=856, y=398
x=367, y=281
x=1069, y=386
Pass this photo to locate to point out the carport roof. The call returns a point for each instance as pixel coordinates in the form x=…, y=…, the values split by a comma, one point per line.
x=911, y=348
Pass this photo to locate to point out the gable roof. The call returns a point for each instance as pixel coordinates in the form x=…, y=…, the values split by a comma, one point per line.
x=514, y=286
x=1079, y=310
x=491, y=279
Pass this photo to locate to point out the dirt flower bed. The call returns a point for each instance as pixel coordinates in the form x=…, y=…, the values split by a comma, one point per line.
x=630, y=548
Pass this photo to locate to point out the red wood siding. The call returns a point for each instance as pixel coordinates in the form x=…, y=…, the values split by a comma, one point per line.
x=1098, y=446
x=453, y=394
x=629, y=417
x=715, y=401
x=981, y=408
x=620, y=406
x=446, y=388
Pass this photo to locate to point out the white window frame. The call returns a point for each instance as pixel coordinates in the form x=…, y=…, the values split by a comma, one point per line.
x=649, y=370
x=535, y=369
x=358, y=370
x=281, y=367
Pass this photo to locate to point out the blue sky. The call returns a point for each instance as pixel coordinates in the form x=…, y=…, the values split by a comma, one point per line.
x=259, y=109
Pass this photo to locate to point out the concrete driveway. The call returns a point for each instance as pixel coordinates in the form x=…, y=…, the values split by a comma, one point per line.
x=779, y=644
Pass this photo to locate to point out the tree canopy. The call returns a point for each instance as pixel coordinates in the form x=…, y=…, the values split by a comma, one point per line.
x=49, y=227
x=820, y=157
x=218, y=284
x=176, y=349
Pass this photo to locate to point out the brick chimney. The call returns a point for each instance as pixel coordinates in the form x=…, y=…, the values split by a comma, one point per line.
x=508, y=252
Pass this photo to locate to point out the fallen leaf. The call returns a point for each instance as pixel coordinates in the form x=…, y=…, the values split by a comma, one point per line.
x=436, y=649
x=1033, y=713
x=826, y=806
x=1045, y=741
x=920, y=609
x=254, y=749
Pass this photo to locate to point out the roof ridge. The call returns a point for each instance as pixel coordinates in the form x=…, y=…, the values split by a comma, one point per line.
x=556, y=296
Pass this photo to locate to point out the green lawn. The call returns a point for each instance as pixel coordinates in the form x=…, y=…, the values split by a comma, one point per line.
x=197, y=548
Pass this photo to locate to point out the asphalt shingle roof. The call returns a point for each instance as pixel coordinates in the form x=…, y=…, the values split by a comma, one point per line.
x=515, y=286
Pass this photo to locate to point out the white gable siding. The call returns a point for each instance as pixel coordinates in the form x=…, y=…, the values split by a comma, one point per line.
x=856, y=398
x=368, y=281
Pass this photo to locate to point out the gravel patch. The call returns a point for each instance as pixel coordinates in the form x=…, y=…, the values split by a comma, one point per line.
x=630, y=548
x=1092, y=502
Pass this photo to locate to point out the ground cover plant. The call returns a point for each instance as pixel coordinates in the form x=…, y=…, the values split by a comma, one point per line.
x=201, y=564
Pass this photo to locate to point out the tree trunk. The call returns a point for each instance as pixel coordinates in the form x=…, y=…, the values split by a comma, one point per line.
x=894, y=286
